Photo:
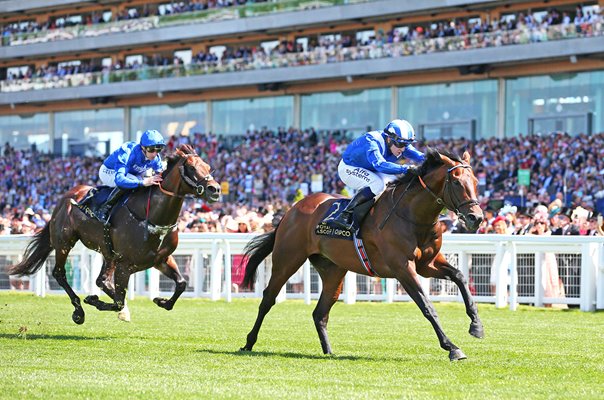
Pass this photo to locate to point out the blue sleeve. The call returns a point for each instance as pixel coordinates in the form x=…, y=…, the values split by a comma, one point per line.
x=121, y=171
x=374, y=156
x=414, y=154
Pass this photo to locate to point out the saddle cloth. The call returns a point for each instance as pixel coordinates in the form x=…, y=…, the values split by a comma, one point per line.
x=325, y=227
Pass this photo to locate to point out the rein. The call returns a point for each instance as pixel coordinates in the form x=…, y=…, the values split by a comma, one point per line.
x=439, y=200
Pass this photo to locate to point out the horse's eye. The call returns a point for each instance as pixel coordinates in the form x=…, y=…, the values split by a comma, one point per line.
x=457, y=182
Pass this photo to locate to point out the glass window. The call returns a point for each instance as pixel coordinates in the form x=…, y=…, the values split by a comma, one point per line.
x=89, y=132
x=569, y=102
x=451, y=110
x=25, y=131
x=354, y=111
x=169, y=119
x=235, y=117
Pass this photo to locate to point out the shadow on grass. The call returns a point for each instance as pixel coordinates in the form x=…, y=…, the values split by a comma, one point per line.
x=48, y=337
x=282, y=355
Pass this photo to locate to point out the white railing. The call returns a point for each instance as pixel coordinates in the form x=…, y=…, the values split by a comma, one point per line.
x=502, y=269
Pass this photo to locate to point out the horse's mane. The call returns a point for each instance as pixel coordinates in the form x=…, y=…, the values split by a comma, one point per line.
x=179, y=153
x=432, y=161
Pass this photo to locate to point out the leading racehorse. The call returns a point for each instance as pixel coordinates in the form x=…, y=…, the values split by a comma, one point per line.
x=143, y=233
x=402, y=239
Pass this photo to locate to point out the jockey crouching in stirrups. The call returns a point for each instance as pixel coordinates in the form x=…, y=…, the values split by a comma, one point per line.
x=369, y=162
x=126, y=167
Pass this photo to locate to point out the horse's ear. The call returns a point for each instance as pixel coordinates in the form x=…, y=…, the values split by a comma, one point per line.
x=445, y=159
x=466, y=157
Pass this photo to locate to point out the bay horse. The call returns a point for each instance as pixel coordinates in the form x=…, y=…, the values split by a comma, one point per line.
x=143, y=233
x=402, y=239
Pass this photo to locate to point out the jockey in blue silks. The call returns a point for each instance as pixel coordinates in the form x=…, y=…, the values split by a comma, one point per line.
x=369, y=162
x=131, y=166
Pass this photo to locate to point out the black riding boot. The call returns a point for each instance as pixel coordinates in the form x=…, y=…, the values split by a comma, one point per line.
x=344, y=220
x=114, y=196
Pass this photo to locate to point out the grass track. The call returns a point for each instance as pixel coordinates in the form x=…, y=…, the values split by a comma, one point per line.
x=383, y=351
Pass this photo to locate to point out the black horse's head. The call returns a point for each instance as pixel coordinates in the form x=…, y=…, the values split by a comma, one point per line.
x=451, y=182
x=194, y=174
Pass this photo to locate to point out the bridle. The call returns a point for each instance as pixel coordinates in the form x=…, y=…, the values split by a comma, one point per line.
x=198, y=187
x=447, y=191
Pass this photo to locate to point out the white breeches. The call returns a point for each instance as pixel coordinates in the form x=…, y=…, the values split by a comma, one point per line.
x=358, y=178
x=107, y=176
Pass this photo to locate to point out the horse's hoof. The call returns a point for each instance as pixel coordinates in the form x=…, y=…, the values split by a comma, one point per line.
x=78, y=317
x=163, y=303
x=92, y=299
x=124, y=315
x=477, y=330
x=456, y=354
x=245, y=349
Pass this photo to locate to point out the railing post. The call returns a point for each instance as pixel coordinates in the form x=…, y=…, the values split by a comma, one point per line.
x=500, y=275
x=350, y=288
x=539, y=288
x=153, y=283
x=588, y=277
x=95, y=270
x=197, y=273
x=216, y=270
x=600, y=279
x=306, y=271
x=390, y=289
x=228, y=270
x=140, y=282
x=513, y=279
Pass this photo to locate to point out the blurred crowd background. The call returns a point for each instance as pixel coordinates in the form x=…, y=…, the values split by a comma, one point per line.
x=268, y=170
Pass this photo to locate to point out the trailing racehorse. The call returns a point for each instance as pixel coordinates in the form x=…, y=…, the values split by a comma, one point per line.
x=143, y=233
x=402, y=239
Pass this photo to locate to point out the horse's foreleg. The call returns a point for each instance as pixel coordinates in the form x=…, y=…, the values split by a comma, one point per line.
x=333, y=279
x=59, y=274
x=443, y=270
x=408, y=278
x=170, y=269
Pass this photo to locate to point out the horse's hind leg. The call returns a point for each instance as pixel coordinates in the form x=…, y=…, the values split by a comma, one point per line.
x=333, y=279
x=285, y=263
x=443, y=270
x=408, y=278
x=170, y=269
x=59, y=274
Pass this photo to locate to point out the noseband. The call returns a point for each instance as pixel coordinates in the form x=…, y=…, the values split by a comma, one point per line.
x=448, y=191
x=198, y=188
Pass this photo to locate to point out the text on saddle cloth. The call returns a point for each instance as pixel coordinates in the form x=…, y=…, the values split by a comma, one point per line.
x=324, y=228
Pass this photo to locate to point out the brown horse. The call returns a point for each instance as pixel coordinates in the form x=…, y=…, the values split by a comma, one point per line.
x=401, y=237
x=143, y=233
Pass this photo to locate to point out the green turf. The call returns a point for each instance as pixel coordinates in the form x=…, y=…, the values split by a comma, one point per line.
x=383, y=351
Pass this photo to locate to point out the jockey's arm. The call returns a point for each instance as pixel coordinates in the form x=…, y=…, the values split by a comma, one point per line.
x=123, y=181
x=414, y=154
x=381, y=165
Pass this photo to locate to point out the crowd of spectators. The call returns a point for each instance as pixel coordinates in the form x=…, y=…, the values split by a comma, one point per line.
x=421, y=39
x=269, y=170
x=48, y=30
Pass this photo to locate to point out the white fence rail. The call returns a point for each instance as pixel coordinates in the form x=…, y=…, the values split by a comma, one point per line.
x=501, y=269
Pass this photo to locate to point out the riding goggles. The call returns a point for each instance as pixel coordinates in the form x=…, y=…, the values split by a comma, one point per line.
x=155, y=149
x=399, y=143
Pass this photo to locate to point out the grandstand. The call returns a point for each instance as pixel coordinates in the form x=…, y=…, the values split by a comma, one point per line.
x=77, y=78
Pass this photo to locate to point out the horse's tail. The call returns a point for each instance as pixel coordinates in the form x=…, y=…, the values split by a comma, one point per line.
x=36, y=253
x=255, y=251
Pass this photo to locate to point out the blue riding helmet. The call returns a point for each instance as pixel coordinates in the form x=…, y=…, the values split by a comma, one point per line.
x=152, y=138
x=400, y=132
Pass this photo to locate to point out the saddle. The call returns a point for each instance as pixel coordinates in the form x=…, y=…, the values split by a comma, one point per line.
x=94, y=199
x=325, y=227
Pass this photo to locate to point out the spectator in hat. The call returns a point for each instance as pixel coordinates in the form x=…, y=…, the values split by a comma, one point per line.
x=565, y=227
x=523, y=222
